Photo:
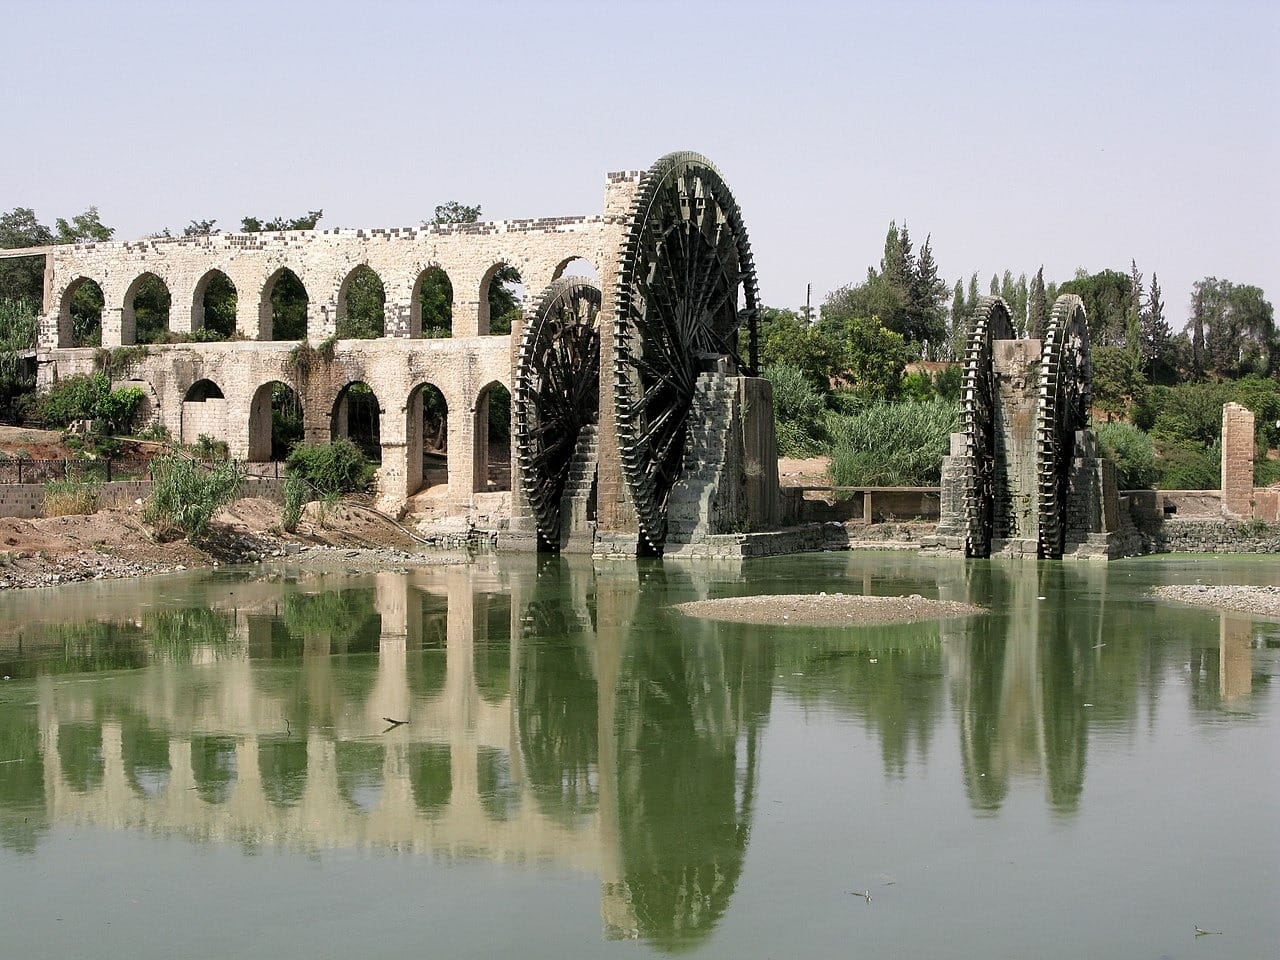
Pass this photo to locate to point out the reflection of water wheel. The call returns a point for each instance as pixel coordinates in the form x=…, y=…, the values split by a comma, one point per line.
x=557, y=394
x=684, y=260
x=990, y=322
x=1062, y=408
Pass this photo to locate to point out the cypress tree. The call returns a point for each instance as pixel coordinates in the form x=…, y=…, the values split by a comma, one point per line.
x=1037, y=306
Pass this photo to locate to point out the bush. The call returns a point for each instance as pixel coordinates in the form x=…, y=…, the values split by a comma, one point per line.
x=73, y=398
x=186, y=494
x=1132, y=452
x=892, y=444
x=115, y=412
x=207, y=448
x=1266, y=472
x=297, y=494
x=1187, y=465
x=797, y=411
x=918, y=386
x=64, y=498
x=331, y=468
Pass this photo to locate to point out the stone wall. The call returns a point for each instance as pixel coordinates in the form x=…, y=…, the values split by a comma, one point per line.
x=26, y=500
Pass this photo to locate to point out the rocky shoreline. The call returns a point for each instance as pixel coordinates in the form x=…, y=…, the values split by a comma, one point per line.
x=1261, y=601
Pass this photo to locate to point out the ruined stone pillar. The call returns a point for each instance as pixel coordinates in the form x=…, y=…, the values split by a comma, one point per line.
x=1237, y=461
x=113, y=327
x=321, y=319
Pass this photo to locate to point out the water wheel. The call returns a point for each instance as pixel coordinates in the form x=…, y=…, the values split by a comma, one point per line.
x=686, y=285
x=1062, y=408
x=990, y=322
x=557, y=394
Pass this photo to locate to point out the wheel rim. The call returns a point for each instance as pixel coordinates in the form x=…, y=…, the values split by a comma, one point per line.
x=990, y=322
x=1062, y=408
x=557, y=394
x=685, y=260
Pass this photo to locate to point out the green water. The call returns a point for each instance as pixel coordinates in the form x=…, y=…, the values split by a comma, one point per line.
x=200, y=766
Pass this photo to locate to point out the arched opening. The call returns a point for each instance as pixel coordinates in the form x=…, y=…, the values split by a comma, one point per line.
x=145, y=314
x=146, y=758
x=493, y=439
x=282, y=767
x=80, y=314
x=213, y=767
x=357, y=417
x=362, y=302
x=428, y=439
x=283, y=311
x=501, y=291
x=577, y=267
x=359, y=767
x=431, y=313
x=275, y=422
x=492, y=650
x=204, y=413
x=213, y=310
x=80, y=754
x=431, y=776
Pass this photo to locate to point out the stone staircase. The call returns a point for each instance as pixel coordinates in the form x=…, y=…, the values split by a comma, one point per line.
x=695, y=505
x=578, y=500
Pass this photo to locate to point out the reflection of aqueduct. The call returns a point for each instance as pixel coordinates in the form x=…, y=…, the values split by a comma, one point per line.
x=481, y=770
x=223, y=389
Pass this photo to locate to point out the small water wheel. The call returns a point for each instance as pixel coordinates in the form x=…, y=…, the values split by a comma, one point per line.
x=990, y=322
x=1062, y=408
x=686, y=263
x=557, y=394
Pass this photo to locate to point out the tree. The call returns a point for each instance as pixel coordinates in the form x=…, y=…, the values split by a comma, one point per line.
x=1107, y=296
x=1037, y=306
x=454, y=212
x=307, y=221
x=1156, y=349
x=23, y=279
x=819, y=351
x=959, y=319
x=877, y=357
x=200, y=228
x=926, y=317
x=1235, y=325
x=994, y=289
x=365, y=315
x=84, y=227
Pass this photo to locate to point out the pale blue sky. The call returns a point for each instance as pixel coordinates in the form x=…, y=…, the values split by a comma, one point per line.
x=1076, y=134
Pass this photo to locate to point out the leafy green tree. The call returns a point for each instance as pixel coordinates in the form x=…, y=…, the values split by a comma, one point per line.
x=877, y=358
x=1157, y=349
x=18, y=328
x=1107, y=297
x=1237, y=325
x=200, y=228
x=365, y=315
x=435, y=297
x=84, y=227
x=1117, y=380
x=819, y=351
x=454, y=212
x=151, y=305
x=22, y=279
x=307, y=221
x=288, y=308
x=1037, y=306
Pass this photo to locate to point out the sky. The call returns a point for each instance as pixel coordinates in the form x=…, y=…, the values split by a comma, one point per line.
x=1015, y=134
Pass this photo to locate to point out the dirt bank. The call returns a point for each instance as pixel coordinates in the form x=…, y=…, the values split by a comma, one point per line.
x=113, y=544
x=827, y=609
x=1262, y=601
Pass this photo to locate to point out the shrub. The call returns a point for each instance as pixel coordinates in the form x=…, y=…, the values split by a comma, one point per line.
x=331, y=468
x=918, y=386
x=64, y=498
x=297, y=494
x=1266, y=472
x=114, y=413
x=892, y=444
x=186, y=494
x=797, y=411
x=1187, y=465
x=207, y=448
x=73, y=398
x=1132, y=452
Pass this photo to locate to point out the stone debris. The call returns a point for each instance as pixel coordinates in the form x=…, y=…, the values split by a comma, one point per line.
x=832, y=609
x=1264, y=601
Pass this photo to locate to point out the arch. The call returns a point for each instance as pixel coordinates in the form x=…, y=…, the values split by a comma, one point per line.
x=146, y=758
x=204, y=413
x=80, y=755
x=431, y=776
x=282, y=769
x=203, y=390
x=493, y=438
x=362, y=303
x=357, y=416
x=501, y=290
x=492, y=647
x=213, y=307
x=275, y=421
x=282, y=309
x=427, y=438
x=144, y=315
x=80, y=314
x=359, y=769
x=499, y=790
x=431, y=306
x=213, y=767
x=576, y=266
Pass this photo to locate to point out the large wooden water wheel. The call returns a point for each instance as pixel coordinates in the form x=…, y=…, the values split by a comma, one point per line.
x=557, y=394
x=1062, y=408
x=686, y=286
x=990, y=322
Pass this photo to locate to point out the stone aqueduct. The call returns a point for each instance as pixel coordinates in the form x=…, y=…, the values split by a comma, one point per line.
x=179, y=377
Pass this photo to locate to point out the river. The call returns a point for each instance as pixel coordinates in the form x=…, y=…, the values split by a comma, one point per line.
x=524, y=757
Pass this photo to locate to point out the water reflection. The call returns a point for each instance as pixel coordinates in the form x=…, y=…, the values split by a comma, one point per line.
x=556, y=712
